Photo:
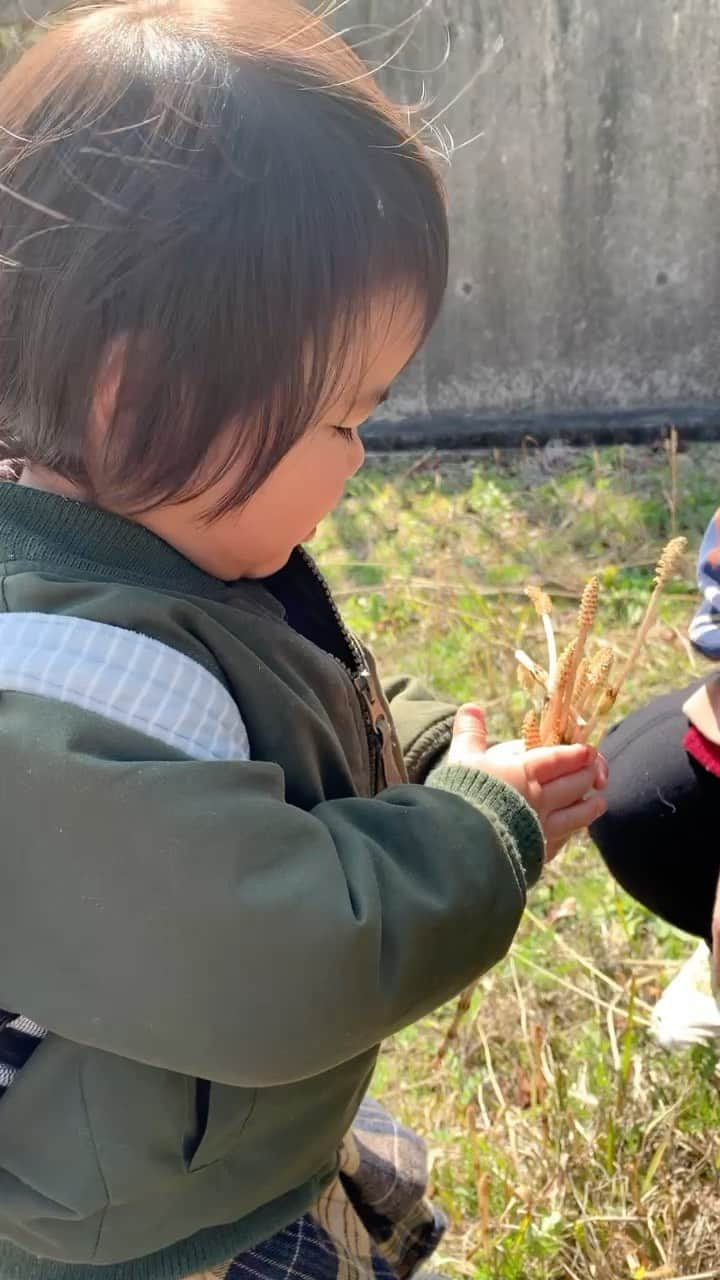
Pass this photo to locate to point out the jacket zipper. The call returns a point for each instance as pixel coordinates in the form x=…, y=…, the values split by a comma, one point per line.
x=376, y=723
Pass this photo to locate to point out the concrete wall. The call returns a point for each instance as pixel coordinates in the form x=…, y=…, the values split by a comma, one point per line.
x=586, y=217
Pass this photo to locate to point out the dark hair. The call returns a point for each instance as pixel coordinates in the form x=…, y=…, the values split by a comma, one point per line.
x=222, y=186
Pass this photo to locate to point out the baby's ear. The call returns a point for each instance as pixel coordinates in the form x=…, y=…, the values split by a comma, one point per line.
x=129, y=370
x=132, y=374
x=106, y=390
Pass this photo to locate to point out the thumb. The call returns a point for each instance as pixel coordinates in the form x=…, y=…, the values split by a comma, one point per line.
x=469, y=730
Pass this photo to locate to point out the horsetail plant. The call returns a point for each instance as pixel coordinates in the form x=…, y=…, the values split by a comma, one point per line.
x=575, y=691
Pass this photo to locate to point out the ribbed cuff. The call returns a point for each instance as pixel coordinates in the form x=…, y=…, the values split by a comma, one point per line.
x=426, y=751
x=503, y=804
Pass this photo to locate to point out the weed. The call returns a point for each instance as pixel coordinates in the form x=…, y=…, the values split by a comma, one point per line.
x=564, y=1143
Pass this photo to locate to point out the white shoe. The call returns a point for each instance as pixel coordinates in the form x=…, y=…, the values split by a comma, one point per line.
x=688, y=1012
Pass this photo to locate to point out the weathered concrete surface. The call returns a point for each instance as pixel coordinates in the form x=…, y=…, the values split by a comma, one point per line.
x=586, y=217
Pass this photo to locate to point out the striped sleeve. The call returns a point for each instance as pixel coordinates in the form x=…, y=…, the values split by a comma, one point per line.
x=705, y=626
x=19, y=1038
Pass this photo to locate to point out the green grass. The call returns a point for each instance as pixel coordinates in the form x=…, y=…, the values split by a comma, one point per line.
x=563, y=1142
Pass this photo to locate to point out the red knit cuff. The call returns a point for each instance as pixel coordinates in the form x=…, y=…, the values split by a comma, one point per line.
x=701, y=749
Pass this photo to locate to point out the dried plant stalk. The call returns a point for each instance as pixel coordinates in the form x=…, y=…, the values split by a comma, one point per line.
x=461, y=1010
x=587, y=611
x=582, y=684
x=552, y=724
x=574, y=725
x=594, y=677
x=587, y=614
x=604, y=694
x=526, y=679
x=540, y=599
x=669, y=562
x=667, y=566
x=564, y=671
x=543, y=608
x=600, y=665
x=600, y=669
x=605, y=704
x=531, y=732
x=538, y=674
x=533, y=679
x=577, y=690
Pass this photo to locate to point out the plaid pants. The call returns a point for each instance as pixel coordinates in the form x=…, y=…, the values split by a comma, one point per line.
x=372, y=1223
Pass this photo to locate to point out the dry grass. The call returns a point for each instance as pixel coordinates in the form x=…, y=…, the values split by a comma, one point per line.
x=564, y=1142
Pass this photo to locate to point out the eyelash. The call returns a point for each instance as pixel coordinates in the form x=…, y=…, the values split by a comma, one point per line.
x=348, y=433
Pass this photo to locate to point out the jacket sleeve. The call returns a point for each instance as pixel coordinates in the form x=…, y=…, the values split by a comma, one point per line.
x=705, y=627
x=185, y=915
x=422, y=722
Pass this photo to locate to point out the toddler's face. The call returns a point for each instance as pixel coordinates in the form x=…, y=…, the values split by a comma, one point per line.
x=304, y=487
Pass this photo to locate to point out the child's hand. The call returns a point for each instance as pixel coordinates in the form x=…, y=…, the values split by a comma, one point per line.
x=560, y=783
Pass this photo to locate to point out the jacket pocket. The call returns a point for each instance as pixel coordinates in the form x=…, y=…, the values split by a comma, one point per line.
x=221, y=1112
x=199, y=1107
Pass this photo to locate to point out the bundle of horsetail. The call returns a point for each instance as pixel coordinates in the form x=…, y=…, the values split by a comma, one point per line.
x=576, y=691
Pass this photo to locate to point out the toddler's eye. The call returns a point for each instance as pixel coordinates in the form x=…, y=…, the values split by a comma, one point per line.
x=347, y=433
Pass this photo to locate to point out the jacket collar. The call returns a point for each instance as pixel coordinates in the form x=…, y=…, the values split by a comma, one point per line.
x=41, y=528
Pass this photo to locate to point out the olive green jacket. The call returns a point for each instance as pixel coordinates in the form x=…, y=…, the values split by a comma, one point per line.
x=217, y=949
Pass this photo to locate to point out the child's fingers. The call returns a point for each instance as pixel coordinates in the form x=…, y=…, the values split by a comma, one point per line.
x=602, y=774
x=561, y=824
x=545, y=764
x=469, y=733
x=567, y=791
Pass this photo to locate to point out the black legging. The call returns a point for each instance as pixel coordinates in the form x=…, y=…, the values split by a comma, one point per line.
x=660, y=837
